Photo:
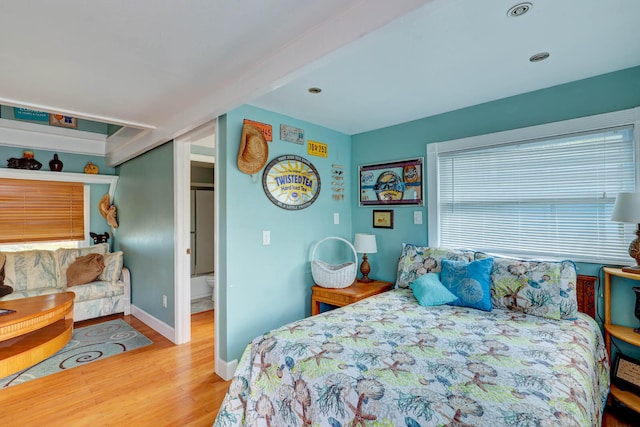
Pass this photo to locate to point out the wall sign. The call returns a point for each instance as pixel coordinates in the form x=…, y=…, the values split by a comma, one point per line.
x=27, y=114
x=316, y=148
x=265, y=128
x=291, y=134
x=393, y=183
x=63, y=121
x=291, y=182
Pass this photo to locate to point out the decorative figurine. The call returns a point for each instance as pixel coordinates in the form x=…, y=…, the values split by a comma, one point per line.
x=24, y=163
x=99, y=238
x=90, y=168
x=55, y=164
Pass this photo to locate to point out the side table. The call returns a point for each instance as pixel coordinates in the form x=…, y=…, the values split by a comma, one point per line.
x=345, y=296
x=626, y=334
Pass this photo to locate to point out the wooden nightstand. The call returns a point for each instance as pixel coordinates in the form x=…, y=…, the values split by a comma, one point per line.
x=346, y=296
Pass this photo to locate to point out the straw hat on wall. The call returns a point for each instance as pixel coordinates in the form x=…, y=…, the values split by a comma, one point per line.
x=253, y=152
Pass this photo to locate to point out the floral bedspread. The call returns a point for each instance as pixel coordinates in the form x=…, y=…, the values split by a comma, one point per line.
x=387, y=361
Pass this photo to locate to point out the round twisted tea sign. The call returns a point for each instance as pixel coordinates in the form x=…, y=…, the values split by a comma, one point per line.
x=291, y=182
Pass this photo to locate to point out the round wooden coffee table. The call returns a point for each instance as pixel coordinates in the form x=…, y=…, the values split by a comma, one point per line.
x=37, y=328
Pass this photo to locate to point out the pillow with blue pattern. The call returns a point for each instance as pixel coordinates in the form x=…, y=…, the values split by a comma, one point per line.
x=429, y=290
x=416, y=261
x=470, y=282
x=543, y=288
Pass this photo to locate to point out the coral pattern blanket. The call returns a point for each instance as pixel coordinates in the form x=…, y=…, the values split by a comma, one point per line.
x=387, y=361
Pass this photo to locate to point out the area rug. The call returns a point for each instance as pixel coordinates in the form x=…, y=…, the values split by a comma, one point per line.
x=88, y=344
x=199, y=305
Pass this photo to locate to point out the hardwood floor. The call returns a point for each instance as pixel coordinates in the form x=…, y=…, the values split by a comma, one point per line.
x=158, y=385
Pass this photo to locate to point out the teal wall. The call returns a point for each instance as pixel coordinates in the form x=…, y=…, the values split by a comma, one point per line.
x=263, y=287
x=597, y=95
x=71, y=163
x=144, y=199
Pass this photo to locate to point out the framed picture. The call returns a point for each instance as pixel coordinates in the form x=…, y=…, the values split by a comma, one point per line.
x=394, y=183
x=383, y=219
x=626, y=373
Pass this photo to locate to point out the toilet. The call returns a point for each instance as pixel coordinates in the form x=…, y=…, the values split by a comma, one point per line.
x=211, y=281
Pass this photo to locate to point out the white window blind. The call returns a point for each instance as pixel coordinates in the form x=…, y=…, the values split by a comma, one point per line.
x=550, y=197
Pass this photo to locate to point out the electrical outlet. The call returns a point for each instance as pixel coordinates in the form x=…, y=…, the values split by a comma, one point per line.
x=164, y=301
x=266, y=238
x=336, y=218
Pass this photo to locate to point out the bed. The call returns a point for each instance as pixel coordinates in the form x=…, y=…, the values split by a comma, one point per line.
x=388, y=361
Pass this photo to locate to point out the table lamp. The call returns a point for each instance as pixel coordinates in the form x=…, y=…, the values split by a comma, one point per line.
x=627, y=209
x=365, y=244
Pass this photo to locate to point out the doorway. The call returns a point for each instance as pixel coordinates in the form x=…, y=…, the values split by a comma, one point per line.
x=197, y=146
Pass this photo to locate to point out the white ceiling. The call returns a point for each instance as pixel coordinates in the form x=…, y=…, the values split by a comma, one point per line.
x=162, y=68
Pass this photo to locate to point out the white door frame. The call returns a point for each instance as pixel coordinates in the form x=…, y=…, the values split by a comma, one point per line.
x=182, y=236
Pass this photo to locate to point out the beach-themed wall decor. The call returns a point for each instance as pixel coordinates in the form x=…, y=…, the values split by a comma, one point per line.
x=337, y=183
x=393, y=183
x=291, y=182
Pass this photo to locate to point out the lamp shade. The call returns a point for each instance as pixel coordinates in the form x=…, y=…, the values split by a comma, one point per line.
x=365, y=243
x=627, y=208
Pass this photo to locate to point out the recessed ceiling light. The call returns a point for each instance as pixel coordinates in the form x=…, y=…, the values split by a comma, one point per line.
x=315, y=90
x=539, y=57
x=519, y=9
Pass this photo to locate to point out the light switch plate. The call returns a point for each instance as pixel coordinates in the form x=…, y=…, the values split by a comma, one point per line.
x=336, y=218
x=417, y=217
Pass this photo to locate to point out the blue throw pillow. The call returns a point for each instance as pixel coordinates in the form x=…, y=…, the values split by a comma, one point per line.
x=470, y=282
x=429, y=291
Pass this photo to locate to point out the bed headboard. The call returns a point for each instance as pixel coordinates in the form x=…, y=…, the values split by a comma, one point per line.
x=585, y=290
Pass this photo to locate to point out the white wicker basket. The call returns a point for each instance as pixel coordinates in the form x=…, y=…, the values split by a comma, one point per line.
x=333, y=275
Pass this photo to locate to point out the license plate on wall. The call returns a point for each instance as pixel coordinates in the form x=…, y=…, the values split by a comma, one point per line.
x=315, y=148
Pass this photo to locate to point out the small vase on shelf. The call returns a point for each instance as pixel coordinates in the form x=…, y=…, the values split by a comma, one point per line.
x=55, y=164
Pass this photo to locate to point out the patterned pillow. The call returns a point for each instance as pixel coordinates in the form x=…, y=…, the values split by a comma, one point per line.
x=540, y=288
x=418, y=260
x=469, y=282
x=112, y=267
x=27, y=270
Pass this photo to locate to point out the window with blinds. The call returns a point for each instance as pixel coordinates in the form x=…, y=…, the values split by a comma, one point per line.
x=41, y=211
x=549, y=197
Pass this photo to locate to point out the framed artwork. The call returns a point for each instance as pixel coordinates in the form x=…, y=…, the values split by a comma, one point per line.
x=626, y=373
x=383, y=219
x=291, y=182
x=394, y=183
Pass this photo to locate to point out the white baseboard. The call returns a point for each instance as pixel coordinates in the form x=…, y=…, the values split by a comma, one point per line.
x=158, y=325
x=225, y=369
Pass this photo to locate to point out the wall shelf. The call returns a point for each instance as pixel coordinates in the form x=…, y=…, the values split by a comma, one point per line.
x=40, y=175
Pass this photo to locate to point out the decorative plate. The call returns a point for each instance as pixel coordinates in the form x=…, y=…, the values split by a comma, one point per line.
x=291, y=182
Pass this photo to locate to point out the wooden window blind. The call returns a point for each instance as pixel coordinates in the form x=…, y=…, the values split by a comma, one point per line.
x=40, y=211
